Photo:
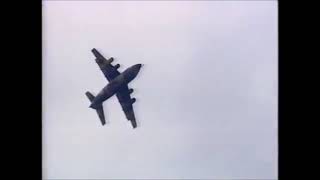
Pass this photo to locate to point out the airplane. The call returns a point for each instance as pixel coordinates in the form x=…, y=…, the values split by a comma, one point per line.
x=118, y=85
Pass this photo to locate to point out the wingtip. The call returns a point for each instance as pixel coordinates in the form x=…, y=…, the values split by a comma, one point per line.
x=134, y=124
x=103, y=121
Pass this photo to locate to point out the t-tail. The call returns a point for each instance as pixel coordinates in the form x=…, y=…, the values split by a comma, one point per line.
x=99, y=109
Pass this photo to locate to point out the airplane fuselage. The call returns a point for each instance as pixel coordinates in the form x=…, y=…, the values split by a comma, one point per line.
x=114, y=85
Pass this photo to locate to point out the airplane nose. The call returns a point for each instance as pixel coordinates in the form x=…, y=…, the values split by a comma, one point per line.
x=132, y=72
x=137, y=67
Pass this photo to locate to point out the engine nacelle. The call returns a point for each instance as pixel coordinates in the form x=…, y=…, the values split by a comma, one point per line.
x=110, y=60
x=133, y=100
x=117, y=66
x=130, y=91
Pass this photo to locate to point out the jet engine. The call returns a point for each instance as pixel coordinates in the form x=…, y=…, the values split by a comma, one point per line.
x=130, y=91
x=117, y=66
x=133, y=100
x=110, y=60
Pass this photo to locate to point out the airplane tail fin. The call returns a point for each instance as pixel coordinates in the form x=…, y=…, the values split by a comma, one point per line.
x=99, y=109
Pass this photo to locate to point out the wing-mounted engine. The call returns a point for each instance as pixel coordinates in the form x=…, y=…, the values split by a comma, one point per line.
x=133, y=100
x=100, y=60
x=104, y=62
x=128, y=105
x=130, y=91
x=110, y=60
x=115, y=68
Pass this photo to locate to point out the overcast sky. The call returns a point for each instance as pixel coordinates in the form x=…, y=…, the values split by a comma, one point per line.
x=206, y=95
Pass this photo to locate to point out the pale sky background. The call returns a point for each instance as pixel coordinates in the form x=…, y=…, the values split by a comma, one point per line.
x=206, y=95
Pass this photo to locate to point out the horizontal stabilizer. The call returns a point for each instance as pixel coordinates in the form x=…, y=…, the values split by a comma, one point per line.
x=90, y=96
x=101, y=115
x=99, y=109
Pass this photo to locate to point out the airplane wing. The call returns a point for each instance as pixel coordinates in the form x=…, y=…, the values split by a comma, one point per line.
x=126, y=102
x=109, y=71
